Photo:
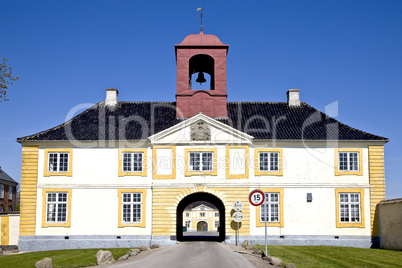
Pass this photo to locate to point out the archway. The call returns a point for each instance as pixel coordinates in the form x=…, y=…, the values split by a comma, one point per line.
x=200, y=197
x=202, y=226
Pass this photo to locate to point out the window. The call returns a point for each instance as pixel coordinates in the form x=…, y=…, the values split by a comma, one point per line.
x=216, y=224
x=272, y=203
x=10, y=193
x=348, y=162
x=200, y=161
x=10, y=208
x=216, y=214
x=188, y=223
x=1, y=191
x=58, y=162
x=268, y=162
x=187, y=214
x=56, y=207
x=350, y=207
x=132, y=162
x=132, y=207
x=202, y=214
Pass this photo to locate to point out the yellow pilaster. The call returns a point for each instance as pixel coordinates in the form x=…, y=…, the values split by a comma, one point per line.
x=5, y=230
x=29, y=181
x=377, y=183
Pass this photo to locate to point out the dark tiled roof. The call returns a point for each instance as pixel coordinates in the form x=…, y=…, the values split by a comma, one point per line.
x=4, y=177
x=263, y=120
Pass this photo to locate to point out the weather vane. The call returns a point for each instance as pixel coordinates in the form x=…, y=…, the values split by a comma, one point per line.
x=200, y=9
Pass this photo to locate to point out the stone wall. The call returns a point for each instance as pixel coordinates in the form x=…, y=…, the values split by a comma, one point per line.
x=390, y=224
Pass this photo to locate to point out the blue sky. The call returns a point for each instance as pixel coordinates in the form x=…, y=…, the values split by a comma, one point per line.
x=68, y=52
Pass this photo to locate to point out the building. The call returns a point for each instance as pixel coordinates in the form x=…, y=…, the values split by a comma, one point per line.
x=8, y=192
x=120, y=174
x=201, y=218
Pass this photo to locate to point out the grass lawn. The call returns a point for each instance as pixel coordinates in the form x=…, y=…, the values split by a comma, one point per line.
x=321, y=256
x=60, y=258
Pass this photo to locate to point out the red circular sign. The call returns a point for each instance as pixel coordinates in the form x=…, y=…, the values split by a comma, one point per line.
x=256, y=197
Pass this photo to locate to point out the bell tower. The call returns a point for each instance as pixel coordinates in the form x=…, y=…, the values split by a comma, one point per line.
x=197, y=56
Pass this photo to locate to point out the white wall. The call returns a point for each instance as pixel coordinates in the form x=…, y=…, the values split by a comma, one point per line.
x=307, y=168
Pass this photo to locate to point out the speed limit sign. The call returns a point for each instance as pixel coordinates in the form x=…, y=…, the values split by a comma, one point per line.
x=256, y=197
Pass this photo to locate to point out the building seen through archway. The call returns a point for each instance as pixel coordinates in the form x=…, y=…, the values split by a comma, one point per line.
x=201, y=217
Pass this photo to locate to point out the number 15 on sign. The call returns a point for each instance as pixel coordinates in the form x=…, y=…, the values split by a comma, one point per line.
x=256, y=198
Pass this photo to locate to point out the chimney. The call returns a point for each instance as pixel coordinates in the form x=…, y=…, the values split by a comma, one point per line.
x=111, y=96
x=293, y=97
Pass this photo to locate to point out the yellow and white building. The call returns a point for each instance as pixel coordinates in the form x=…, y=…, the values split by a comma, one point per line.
x=201, y=218
x=121, y=174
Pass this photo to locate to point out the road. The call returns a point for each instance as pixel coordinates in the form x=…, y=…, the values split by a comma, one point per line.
x=190, y=254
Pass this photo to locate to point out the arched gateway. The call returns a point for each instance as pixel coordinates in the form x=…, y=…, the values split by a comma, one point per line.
x=200, y=196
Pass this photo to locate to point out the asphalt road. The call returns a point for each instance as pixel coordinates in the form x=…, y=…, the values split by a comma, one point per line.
x=190, y=254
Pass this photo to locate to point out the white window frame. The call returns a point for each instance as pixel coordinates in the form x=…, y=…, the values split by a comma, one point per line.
x=349, y=164
x=193, y=163
x=50, y=167
x=347, y=208
x=202, y=215
x=187, y=214
x=10, y=193
x=272, y=200
x=1, y=190
x=136, y=162
x=272, y=161
x=131, y=205
x=56, y=206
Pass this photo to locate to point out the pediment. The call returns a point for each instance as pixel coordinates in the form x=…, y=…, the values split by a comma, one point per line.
x=201, y=129
x=202, y=208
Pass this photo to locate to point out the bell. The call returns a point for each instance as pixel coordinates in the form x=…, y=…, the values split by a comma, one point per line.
x=200, y=78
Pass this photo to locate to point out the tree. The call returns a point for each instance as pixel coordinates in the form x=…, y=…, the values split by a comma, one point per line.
x=6, y=79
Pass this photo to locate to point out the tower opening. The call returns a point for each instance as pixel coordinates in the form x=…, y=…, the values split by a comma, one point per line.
x=201, y=66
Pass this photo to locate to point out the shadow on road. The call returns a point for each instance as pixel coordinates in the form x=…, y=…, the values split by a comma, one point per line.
x=200, y=236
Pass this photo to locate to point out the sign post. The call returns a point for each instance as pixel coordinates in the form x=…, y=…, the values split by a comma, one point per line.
x=237, y=216
x=257, y=198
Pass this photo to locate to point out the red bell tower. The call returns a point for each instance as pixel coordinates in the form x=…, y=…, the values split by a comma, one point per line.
x=200, y=54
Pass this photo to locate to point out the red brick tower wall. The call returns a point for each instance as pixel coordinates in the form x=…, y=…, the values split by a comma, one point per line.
x=210, y=102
